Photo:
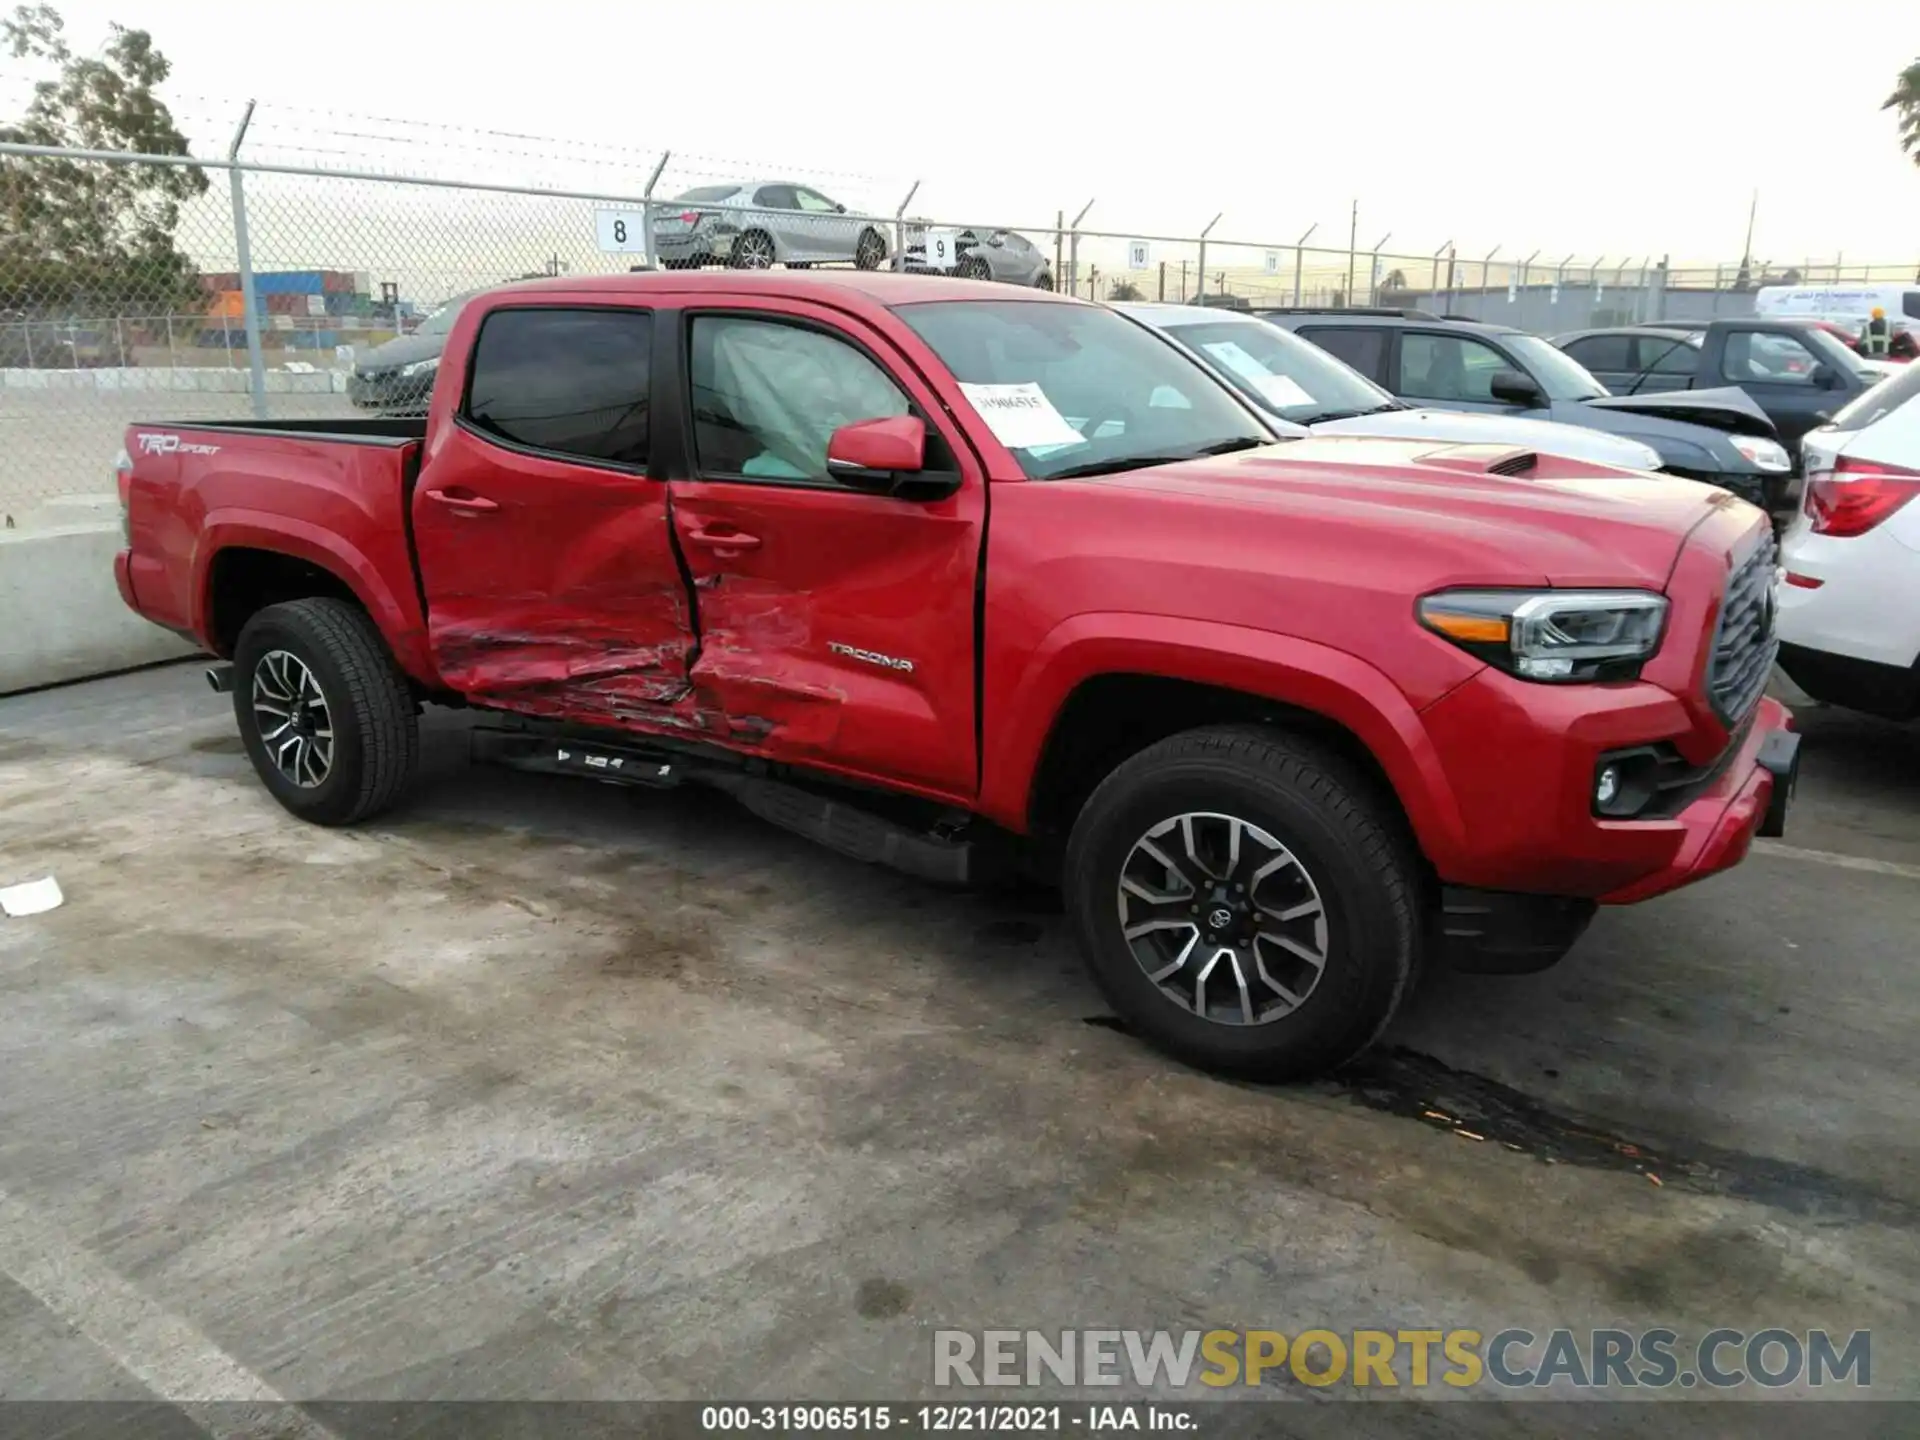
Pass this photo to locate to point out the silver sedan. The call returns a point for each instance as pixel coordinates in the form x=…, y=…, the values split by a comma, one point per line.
x=753, y=224
x=981, y=253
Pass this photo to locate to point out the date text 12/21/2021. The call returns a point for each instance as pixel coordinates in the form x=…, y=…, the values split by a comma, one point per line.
x=960, y=1419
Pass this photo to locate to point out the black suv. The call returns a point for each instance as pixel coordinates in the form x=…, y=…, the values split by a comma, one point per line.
x=1432, y=360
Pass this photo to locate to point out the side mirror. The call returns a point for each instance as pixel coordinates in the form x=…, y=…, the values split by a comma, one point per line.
x=1513, y=388
x=1825, y=377
x=872, y=455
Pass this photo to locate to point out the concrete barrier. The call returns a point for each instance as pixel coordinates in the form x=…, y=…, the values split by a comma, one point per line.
x=202, y=381
x=61, y=617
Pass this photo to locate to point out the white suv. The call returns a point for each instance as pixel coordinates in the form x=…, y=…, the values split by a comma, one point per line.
x=1849, y=591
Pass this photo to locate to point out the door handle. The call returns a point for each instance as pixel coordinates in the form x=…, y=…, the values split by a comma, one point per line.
x=463, y=500
x=724, y=539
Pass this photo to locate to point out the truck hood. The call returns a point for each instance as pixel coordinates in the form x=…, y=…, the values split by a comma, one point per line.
x=1726, y=409
x=1548, y=437
x=1442, y=510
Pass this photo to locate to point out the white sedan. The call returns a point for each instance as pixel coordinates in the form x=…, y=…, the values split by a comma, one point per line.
x=1849, y=590
x=1300, y=389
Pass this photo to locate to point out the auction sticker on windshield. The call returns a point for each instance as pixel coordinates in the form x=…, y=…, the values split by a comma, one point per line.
x=1283, y=390
x=1020, y=416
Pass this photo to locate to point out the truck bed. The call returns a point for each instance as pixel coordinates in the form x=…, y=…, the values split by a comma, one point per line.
x=368, y=430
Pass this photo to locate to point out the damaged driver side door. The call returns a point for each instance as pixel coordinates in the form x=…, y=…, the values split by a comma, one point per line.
x=545, y=550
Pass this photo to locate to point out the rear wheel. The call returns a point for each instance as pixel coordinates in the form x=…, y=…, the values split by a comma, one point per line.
x=1244, y=903
x=753, y=251
x=327, y=718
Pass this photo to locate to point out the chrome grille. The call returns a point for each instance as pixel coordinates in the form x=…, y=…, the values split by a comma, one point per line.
x=1744, y=643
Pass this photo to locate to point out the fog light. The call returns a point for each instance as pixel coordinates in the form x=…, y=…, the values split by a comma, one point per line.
x=1607, y=788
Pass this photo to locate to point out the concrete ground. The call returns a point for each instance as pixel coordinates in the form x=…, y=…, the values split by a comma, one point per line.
x=537, y=1089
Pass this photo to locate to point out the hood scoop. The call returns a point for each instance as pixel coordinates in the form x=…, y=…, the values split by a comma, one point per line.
x=1483, y=459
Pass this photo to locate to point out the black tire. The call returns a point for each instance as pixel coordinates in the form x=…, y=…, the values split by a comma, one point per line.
x=369, y=707
x=1045, y=282
x=869, y=250
x=1354, y=853
x=973, y=267
x=757, y=243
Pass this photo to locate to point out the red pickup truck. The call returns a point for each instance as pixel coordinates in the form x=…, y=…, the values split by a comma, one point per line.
x=957, y=577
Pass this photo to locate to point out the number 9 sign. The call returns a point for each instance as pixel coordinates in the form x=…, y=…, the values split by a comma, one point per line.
x=942, y=246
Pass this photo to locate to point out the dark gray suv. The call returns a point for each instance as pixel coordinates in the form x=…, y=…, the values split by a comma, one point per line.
x=1719, y=436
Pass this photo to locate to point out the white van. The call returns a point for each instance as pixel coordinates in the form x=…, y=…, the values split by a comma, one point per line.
x=1848, y=305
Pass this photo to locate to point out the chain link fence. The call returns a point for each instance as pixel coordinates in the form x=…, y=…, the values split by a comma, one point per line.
x=125, y=294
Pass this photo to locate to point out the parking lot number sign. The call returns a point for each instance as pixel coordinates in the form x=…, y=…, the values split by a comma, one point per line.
x=621, y=232
x=1272, y=262
x=942, y=248
x=1137, y=255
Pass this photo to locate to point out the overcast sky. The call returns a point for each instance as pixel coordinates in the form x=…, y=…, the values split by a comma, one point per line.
x=1629, y=128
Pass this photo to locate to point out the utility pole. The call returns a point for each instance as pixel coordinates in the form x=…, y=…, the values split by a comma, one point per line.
x=1353, y=240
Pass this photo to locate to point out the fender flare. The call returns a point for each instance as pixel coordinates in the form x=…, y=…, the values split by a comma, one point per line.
x=1299, y=673
x=237, y=528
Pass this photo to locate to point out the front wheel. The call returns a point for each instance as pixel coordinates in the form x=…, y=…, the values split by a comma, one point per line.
x=327, y=718
x=869, y=251
x=1244, y=903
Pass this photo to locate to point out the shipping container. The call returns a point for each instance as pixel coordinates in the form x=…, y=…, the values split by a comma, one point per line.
x=289, y=282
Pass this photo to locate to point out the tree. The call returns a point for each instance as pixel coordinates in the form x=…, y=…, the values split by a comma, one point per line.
x=1905, y=103
x=86, y=238
x=1124, y=290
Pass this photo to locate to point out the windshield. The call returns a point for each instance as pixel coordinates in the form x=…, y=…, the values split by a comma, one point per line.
x=1282, y=373
x=708, y=193
x=1559, y=374
x=1071, y=389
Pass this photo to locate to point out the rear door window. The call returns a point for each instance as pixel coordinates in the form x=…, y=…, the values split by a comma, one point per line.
x=1602, y=352
x=1362, y=347
x=576, y=383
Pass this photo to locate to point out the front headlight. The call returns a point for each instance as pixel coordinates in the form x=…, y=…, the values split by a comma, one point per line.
x=420, y=367
x=1559, y=636
x=1762, y=453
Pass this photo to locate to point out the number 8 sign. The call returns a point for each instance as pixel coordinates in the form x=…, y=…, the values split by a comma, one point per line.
x=620, y=231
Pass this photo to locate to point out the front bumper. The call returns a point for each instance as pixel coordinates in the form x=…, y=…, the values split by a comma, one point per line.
x=1750, y=798
x=390, y=392
x=1522, y=759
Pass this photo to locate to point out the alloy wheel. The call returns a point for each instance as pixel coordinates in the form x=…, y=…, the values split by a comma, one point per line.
x=291, y=713
x=1223, y=918
x=753, y=251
